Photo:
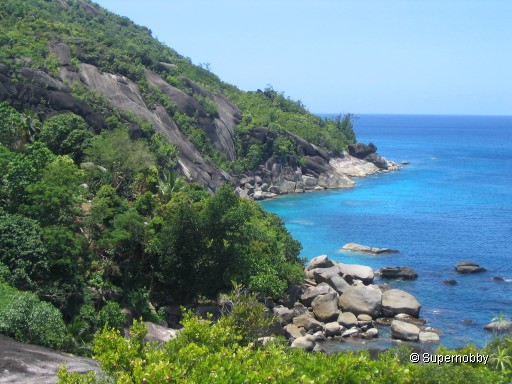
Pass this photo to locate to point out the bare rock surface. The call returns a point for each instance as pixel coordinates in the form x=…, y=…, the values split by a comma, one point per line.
x=355, y=247
x=396, y=301
x=32, y=364
x=404, y=331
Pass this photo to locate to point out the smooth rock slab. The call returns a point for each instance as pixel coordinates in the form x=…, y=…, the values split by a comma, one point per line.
x=321, y=261
x=308, y=322
x=292, y=331
x=333, y=329
x=361, y=300
x=429, y=337
x=395, y=301
x=404, y=331
x=354, y=247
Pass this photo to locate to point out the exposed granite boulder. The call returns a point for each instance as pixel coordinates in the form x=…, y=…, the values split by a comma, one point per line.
x=308, y=322
x=32, y=364
x=359, y=272
x=404, y=331
x=292, y=331
x=396, y=301
x=333, y=329
x=310, y=293
x=361, y=150
x=347, y=319
x=377, y=160
x=304, y=342
x=362, y=299
x=159, y=333
x=469, y=267
x=499, y=326
x=428, y=337
x=404, y=273
x=325, y=307
x=355, y=247
x=321, y=261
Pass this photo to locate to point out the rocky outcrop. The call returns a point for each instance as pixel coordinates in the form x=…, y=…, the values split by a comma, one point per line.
x=368, y=153
x=403, y=273
x=351, y=309
x=159, y=333
x=469, y=267
x=404, y=331
x=395, y=301
x=499, y=326
x=32, y=364
x=355, y=247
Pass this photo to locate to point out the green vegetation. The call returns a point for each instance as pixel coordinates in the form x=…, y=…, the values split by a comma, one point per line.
x=227, y=351
x=118, y=230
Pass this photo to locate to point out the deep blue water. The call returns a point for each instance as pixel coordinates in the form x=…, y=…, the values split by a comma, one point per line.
x=452, y=203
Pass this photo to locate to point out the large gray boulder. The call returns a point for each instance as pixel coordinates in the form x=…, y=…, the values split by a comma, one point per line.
x=361, y=150
x=333, y=329
x=429, y=337
x=404, y=331
x=321, y=261
x=159, y=333
x=332, y=277
x=395, y=301
x=469, y=267
x=310, y=293
x=325, y=307
x=285, y=315
x=361, y=299
x=308, y=322
x=304, y=342
x=292, y=331
x=404, y=273
x=347, y=319
x=360, y=272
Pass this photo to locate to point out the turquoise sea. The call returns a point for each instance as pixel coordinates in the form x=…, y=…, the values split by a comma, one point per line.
x=452, y=203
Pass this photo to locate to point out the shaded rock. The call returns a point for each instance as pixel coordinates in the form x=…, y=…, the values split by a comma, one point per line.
x=377, y=160
x=497, y=278
x=360, y=150
x=299, y=310
x=405, y=273
x=333, y=329
x=404, y=331
x=450, y=282
x=347, y=319
x=308, y=322
x=321, y=261
x=284, y=314
x=32, y=364
x=325, y=307
x=266, y=340
x=499, y=326
x=360, y=272
x=372, y=332
x=310, y=293
x=292, y=331
x=428, y=337
x=396, y=301
x=354, y=247
x=319, y=336
x=361, y=299
x=469, y=267
x=332, y=277
x=159, y=333
x=304, y=342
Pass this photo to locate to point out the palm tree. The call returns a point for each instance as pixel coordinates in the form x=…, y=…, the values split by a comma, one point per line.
x=168, y=184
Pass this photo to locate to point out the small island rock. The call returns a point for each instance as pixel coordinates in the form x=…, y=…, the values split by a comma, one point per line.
x=469, y=267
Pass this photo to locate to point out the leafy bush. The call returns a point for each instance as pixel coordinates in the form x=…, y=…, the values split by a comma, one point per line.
x=29, y=320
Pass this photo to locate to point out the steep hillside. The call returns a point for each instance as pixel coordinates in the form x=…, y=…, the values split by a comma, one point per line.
x=72, y=55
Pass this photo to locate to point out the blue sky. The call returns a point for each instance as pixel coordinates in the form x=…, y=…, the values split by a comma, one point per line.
x=338, y=56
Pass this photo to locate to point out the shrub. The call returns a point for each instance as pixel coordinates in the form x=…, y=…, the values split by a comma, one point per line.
x=29, y=320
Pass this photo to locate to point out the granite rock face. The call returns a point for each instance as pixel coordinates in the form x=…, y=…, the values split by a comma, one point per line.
x=469, y=267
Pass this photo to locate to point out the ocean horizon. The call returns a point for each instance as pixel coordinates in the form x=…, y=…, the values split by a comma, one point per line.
x=452, y=203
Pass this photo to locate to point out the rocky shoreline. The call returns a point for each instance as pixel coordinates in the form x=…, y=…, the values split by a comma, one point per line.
x=341, y=302
x=319, y=172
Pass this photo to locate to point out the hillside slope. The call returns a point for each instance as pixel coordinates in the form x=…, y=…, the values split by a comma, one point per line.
x=72, y=55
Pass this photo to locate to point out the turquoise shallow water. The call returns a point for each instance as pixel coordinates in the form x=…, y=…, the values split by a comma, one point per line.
x=452, y=203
